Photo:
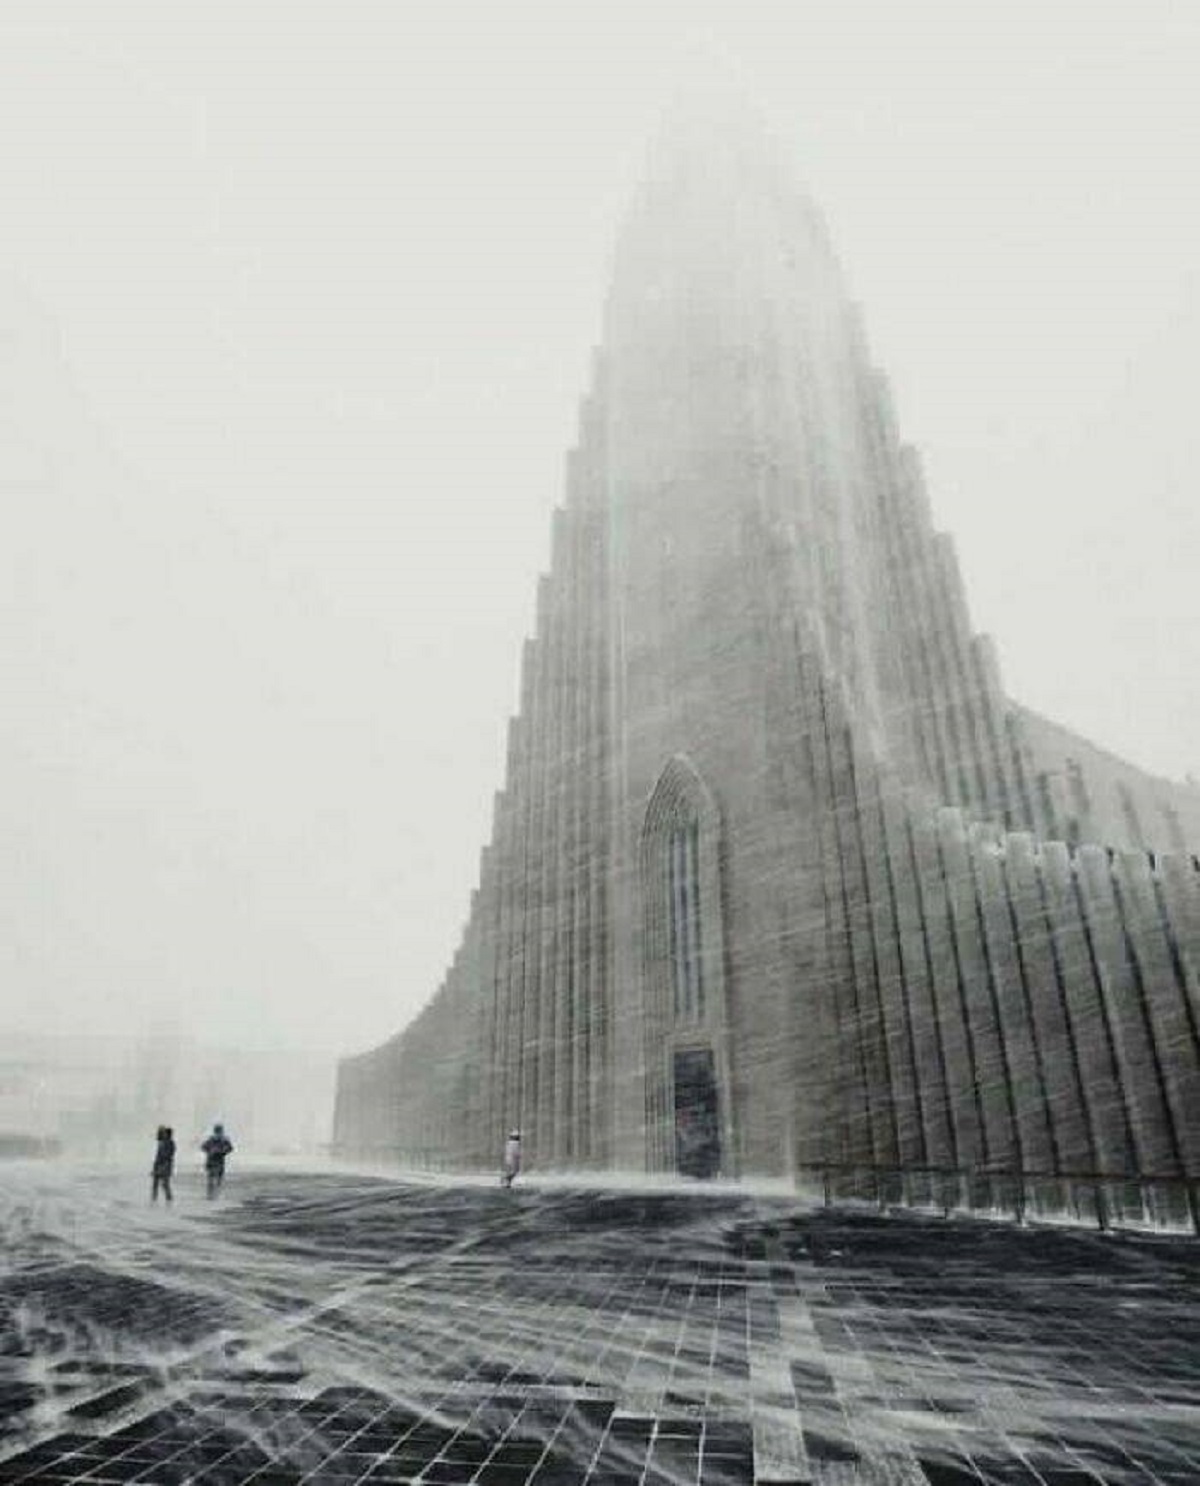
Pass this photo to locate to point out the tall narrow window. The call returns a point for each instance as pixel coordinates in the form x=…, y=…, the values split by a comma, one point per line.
x=683, y=869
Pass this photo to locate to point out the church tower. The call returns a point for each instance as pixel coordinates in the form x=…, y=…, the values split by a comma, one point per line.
x=779, y=878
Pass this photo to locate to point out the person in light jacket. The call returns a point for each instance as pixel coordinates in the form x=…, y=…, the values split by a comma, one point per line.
x=512, y=1158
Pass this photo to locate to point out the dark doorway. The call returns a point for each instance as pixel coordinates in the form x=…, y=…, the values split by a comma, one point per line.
x=697, y=1127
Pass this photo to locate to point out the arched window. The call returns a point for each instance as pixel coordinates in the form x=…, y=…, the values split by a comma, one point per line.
x=683, y=896
x=688, y=1086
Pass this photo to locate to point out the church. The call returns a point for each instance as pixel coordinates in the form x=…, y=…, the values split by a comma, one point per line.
x=780, y=880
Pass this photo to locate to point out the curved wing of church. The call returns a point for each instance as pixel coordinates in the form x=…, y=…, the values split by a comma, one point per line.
x=780, y=880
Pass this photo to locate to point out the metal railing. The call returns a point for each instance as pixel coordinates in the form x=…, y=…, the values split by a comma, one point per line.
x=1106, y=1200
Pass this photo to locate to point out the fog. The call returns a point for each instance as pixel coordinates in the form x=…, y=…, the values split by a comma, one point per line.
x=295, y=316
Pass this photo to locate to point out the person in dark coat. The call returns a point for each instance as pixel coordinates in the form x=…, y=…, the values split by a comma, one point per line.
x=164, y=1164
x=215, y=1148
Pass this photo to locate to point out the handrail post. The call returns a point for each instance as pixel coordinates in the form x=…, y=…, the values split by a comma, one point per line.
x=1111, y=1191
x=1101, y=1206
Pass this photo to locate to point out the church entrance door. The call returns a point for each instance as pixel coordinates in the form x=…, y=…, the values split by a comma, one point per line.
x=697, y=1123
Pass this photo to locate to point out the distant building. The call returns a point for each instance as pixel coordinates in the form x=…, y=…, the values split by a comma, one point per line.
x=779, y=875
x=98, y=1097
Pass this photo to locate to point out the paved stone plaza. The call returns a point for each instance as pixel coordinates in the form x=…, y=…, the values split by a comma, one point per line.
x=330, y=1328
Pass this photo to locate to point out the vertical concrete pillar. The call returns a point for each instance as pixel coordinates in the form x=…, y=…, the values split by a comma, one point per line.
x=870, y=911
x=1171, y=1023
x=985, y=667
x=497, y=1113
x=523, y=1009
x=912, y=531
x=1178, y=883
x=578, y=851
x=951, y=606
x=511, y=920
x=549, y=874
x=855, y=1138
x=1111, y=1148
x=942, y=693
x=837, y=1095
x=567, y=774
x=885, y=931
x=931, y=1089
x=601, y=778
x=505, y=1106
x=939, y=941
x=1125, y=1011
x=534, y=1115
x=976, y=991
x=1067, y=1121
x=1033, y=1142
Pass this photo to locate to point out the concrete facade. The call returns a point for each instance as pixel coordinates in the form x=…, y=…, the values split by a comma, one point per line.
x=779, y=875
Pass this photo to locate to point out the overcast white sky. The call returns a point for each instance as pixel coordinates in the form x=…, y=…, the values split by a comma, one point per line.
x=295, y=311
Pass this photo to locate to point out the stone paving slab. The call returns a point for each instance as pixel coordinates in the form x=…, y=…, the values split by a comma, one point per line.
x=329, y=1328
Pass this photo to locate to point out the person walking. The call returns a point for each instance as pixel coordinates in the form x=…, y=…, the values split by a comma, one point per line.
x=215, y=1148
x=512, y=1158
x=164, y=1164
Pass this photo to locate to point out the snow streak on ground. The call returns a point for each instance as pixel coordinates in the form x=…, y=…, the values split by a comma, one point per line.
x=336, y=1327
